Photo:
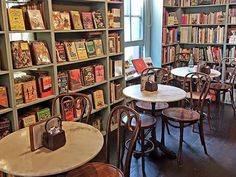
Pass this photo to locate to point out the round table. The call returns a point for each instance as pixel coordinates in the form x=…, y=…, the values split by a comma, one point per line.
x=183, y=71
x=83, y=143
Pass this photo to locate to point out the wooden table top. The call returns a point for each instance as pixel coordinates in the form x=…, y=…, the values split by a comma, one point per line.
x=83, y=143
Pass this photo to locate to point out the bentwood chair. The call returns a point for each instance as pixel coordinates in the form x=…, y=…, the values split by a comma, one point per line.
x=181, y=117
x=122, y=158
x=73, y=107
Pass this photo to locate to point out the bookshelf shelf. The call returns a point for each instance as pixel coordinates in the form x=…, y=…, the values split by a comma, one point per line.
x=30, y=31
x=115, y=2
x=81, y=31
x=204, y=6
x=206, y=44
x=166, y=45
x=116, y=29
x=89, y=87
x=115, y=78
x=116, y=54
x=4, y=72
x=202, y=25
x=117, y=101
x=4, y=111
x=2, y=32
x=33, y=68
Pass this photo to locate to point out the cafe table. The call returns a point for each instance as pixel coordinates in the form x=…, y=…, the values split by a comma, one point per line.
x=83, y=143
x=165, y=93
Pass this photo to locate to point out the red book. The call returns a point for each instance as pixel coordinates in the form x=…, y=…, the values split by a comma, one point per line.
x=46, y=86
x=74, y=79
x=99, y=73
x=139, y=65
x=87, y=20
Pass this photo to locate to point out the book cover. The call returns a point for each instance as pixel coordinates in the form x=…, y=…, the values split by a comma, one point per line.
x=118, y=91
x=68, y=110
x=87, y=20
x=81, y=49
x=79, y=107
x=98, y=47
x=71, y=50
x=18, y=93
x=112, y=91
x=16, y=20
x=60, y=52
x=40, y=53
x=88, y=75
x=57, y=20
x=98, y=99
x=43, y=114
x=45, y=86
x=35, y=19
x=62, y=82
x=21, y=54
x=76, y=20
x=90, y=48
x=139, y=65
x=28, y=120
x=118, y=67
x=112, y=44
x=29, y=91
x=74, y=79
x=148, y=62
x=65, y=19
x=98, y=19
x=99, y=73
x=3, y=97
x=116, y=16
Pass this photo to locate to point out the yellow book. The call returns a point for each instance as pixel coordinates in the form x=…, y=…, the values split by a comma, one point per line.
x=81, y=50
x=98, y=99
x=16, y=20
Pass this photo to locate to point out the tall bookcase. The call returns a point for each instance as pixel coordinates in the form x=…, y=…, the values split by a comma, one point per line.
x=188, y=29
x=50, y=36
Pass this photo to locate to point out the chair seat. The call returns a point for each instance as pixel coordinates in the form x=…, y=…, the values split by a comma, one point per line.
x=96, y=169
x=220, y=86
x=148, y=106
x=181, y=114
x=146, y=121
x=196, y=95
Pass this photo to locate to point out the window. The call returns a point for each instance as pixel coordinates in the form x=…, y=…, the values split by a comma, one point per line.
x=134, y=22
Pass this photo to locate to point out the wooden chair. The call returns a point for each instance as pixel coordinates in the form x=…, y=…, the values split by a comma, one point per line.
x=73, y=106
x=120, y=169
x=180, y=117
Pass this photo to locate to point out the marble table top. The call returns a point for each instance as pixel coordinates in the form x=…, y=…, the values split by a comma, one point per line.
x=165, y=93
x=183, y=71
x=83, y=143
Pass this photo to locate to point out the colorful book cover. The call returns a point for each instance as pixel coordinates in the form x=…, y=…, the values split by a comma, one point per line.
x=57, y=20
x=45, y=86
x=30, y=91
x=35, y=19
x=16, y=20
x=99, y=73
x=43, y=114
x=87, y=20
x=76, y=20
x=139, y=65
x=112, y=44
x=98, y=99
x=40, y=53
x=62, y=82
x=90, y=48
x=65, y=19
x=116, y=16
x=98, y=47
x=18, y=93
x=81, y=49
x=3, y=97
x=71, y=50
x=98, y=19
x=29, y=120
x=88, y=75
x=118, y=67
x=60, y=52
x=74, y=79
x=118, y=91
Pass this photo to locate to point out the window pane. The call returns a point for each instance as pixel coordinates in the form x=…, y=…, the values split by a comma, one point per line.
x=136, y=28
x=127, y=29
x=127, y=7
x=136, y=7
x=132, y=52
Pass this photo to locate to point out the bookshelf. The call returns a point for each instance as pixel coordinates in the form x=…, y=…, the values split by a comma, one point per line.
x=205, y=30
x=50, y=36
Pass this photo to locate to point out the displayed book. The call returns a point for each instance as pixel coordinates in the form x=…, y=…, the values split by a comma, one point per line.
x=76, y=20
x=43, y=114
x=28, y=119
x=21, y=54
x=98, y=19
x=5, y=129
x=87, y=20
x=98, y=47
x=90, y=49
x=116, y=16
x=68, y=110
x=148, y=62
x=16, y=19
x=18, y=93
x=29, y=91
x=74, y=79
x=65, y=19
x=111, y=44
x=112, y=92
x=81, y=49
x=98, y=99
x=3, y=97
x=35, y=20
x=99, y=73
x=118, y=91
x=63, y=82
x=117, y=67
x=40, y=53
x=88, y=75
x=139, y=65
x=60, y=52
x=71, y=50
x=91, y=99
x=57, y=20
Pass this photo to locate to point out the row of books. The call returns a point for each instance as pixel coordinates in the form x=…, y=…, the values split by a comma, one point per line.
x=197, y=2
x=171, y=3
x=202, y=35
x=169, y=18
x=78, y=50
x=232, y=15
x=25, y=54
x=114, y=43
x=170, y=35
x=230, y=52
x=76, y=78
x=203, y=18
x=115, y=91
x=115, y=67
x=168, y=54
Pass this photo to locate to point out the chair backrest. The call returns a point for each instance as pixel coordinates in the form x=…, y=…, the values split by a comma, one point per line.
x=161, y=75
x=199, y=83
x=181, y=59
x=73, y=105
x=123, y=130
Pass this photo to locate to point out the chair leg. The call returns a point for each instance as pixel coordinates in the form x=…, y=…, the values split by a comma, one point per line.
x=232, y=100
x=179, y=158
x=163, y=131
x=201, y=133
x=209, y=114
x=167, y=127
x=142, y=152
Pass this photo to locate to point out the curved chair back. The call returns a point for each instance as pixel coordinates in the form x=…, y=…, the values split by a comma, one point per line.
x=73, y=105
x=161, y=75
x=181, y=60
x=118, y=113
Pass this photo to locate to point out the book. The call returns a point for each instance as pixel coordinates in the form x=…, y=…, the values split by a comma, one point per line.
x=139, y=65
x=98, y=47
x=76, y=20
x=98, y=99
x=40, y=53
x=62, y=82
x=111, y=44
x=16, y=20
x=90, y=48
x=29, y=91
x=35, y=19
x=118, y=91
x=18, y=93
x=81, y=49
x=116, y=16
x=21, y=54
x=97, y=124
x=112, y=92
x=74, y=79
x=28, y=120
x=45, y=86
x=65, y=19
x=71, y=51
x=99, y=73
x=88, y=75
x=60, y=52
x=117, y=67
x=91, y=99
x=148, y=62
x=98, y=19
x=68, y=110
x=43, y=114
x=87, y=20
x=3, y=97
x=57, y=20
